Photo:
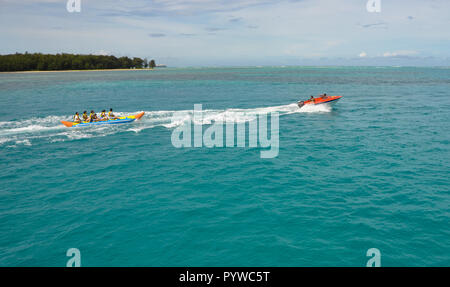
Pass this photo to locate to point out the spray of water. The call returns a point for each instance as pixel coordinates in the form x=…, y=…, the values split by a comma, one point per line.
x=23, y=132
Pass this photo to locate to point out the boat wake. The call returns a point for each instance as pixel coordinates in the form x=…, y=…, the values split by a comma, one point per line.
x=25, y=132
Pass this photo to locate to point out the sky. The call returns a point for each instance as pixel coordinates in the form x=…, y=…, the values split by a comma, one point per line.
x=234, y=32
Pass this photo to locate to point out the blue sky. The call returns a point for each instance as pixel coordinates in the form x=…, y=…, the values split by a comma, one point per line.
x=229, y=32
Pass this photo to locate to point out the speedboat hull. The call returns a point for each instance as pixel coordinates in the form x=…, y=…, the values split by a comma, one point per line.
x=319, y=101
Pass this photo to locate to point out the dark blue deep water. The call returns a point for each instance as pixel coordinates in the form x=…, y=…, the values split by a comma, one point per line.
x=372, y=171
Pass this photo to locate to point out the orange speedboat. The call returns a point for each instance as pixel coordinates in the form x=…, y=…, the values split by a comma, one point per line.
x=324, y=99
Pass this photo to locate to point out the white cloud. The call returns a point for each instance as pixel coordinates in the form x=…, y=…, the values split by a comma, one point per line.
x=102, y=53
x=362, y=54
x=403, y=53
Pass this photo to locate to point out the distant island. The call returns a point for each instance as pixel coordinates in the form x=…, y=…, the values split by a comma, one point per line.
x=63, y=62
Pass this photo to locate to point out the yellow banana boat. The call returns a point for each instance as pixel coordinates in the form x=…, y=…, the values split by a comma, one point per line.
x=119, y=120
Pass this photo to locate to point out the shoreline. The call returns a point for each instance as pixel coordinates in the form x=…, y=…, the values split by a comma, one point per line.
x=214, y=67
x=69, y=71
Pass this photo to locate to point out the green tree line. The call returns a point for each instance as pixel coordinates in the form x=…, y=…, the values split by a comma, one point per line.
x=48, y=62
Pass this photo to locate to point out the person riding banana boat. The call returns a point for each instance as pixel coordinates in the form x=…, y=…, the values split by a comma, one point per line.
x=76, y=118
x=93, y=117
x=103, y=116
x=111, y=116
x=85, y=116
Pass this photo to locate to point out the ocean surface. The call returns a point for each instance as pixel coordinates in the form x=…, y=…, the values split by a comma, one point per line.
x=371, y=171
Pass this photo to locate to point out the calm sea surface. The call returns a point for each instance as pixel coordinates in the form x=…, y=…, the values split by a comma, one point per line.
x=373, y=171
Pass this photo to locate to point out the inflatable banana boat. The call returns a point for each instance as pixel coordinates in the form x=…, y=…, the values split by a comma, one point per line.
x=119, y=120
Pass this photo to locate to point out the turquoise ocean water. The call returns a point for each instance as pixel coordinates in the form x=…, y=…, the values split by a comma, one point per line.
x=371, y=172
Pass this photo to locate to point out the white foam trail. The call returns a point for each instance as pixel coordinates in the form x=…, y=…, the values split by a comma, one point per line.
x=323, y=108
x=172, y=119
x=24, y=142
x=5, y=140
x=26, y=129
x=51, y=128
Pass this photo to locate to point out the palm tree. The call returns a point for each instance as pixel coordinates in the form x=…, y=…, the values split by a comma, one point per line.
x=152, y=64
